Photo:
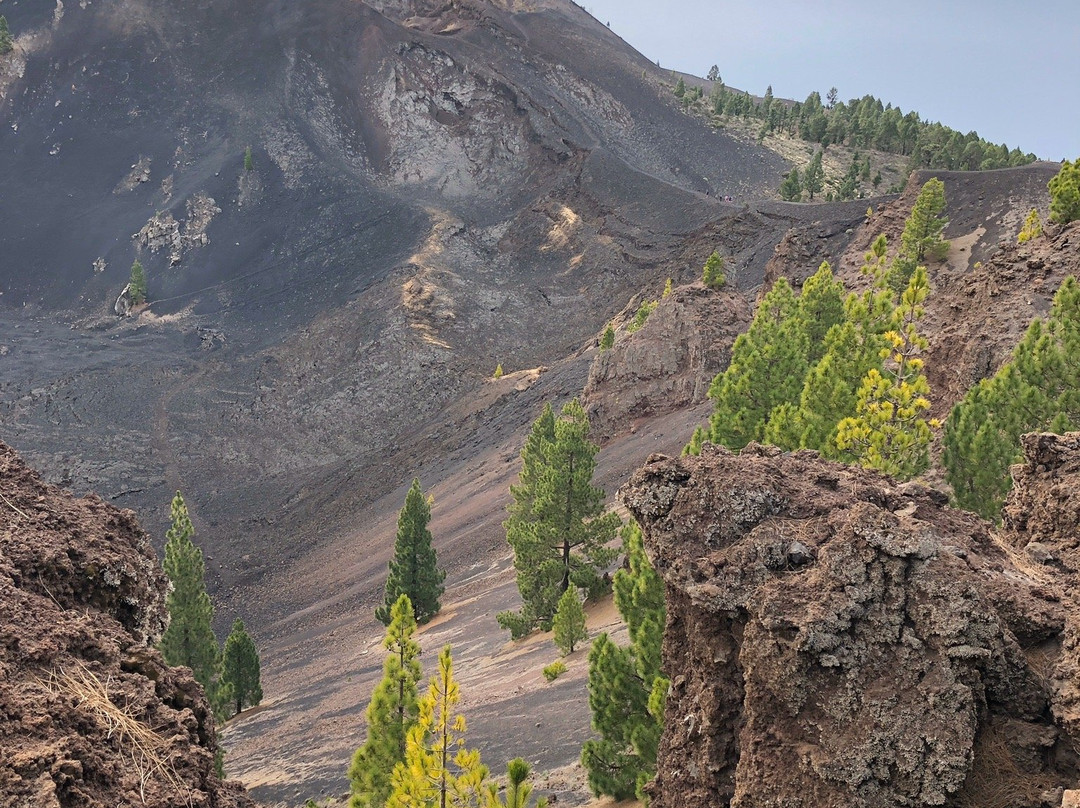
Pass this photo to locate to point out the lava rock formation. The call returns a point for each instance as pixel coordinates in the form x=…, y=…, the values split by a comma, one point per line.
x=835, y=638
x=92, y=716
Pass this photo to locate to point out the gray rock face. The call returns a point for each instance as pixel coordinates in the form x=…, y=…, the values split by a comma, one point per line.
x=669, y=363
x=893, y=664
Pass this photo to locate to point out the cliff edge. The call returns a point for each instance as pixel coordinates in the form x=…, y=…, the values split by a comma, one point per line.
x=92, y=716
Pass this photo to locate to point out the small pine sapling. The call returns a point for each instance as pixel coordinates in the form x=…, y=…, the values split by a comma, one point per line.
x=554, y=670
x=608, y=338
x=713, y=273
x=569, y=626
x=1032, y=227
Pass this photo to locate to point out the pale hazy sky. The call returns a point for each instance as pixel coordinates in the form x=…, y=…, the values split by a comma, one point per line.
x=1008, y=70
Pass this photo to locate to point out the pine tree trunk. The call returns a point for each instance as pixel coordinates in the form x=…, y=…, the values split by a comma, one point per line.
x=566, y=527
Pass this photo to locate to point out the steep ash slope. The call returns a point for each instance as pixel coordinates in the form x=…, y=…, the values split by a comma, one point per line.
x=436, y=189
x=92, y=716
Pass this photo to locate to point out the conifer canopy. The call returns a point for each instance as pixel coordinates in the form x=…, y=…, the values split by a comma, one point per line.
x=240, y=674
x=189, y=639
x=414, y=569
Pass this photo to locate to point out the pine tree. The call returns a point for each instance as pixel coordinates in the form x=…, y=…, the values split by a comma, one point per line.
x=791, y=188
x=713, y=273
x=517, y=790
x=240, y=668
x=888, y=431
x=189, y=639
x=767, y=367
x=414, y=569
x=680, y=88
x=1039, y=388
x=851, y=348
x=137, y=283
x=392, y=712
x=569, y=623
x=821, y=306
x=1032, y=227
x=1065, y=193
x=438, y=770
x=699, y=437
x=814, y=176
x=626, y=689
x=6, y=44
x=557, y=525
x=921, y=239
x=608, y=339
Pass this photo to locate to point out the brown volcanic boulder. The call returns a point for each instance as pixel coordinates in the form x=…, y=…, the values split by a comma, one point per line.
x=89, y=713
x=837, y=639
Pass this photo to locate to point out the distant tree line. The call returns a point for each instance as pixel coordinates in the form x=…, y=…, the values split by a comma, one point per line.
x=861, y=123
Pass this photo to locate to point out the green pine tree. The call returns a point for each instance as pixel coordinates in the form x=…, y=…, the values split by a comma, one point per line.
x=767, y=367
x=557, y=525
x=814, y=176
x=699, y=437
x=791, y=188
x=626, y=688
x=821, y=306
x=852, y=346
x=680, y=88
x=569, y=623
x=1032, y=227
x=137, y=283
x=1065, y=193
x=517, y=790
x=713, y=273
x=392, y=712
x=189, y=639
x=888, y=431
x=240, y=668
x=438, y=771
x=608, y=338
x=921, y=239
x=6, y=43
x=1038, y=389
x=414, y=569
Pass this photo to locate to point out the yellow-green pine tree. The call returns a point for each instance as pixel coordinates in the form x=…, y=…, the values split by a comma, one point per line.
x=888, y=431
x=438, y=770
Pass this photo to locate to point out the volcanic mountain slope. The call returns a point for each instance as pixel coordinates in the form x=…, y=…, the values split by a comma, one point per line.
x=436, y=188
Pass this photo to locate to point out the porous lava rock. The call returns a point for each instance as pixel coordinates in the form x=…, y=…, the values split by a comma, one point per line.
x=837, y=639
x=89, y=713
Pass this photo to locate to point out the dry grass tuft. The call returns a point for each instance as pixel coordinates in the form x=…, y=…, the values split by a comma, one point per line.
x=146, y=749
x=995, y=781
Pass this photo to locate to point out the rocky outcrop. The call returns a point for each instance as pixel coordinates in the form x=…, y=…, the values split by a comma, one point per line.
x=837, y=639
x=91, y=714
x=669, y=363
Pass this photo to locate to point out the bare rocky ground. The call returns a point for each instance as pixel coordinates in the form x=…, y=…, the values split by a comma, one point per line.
x=437, y=189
